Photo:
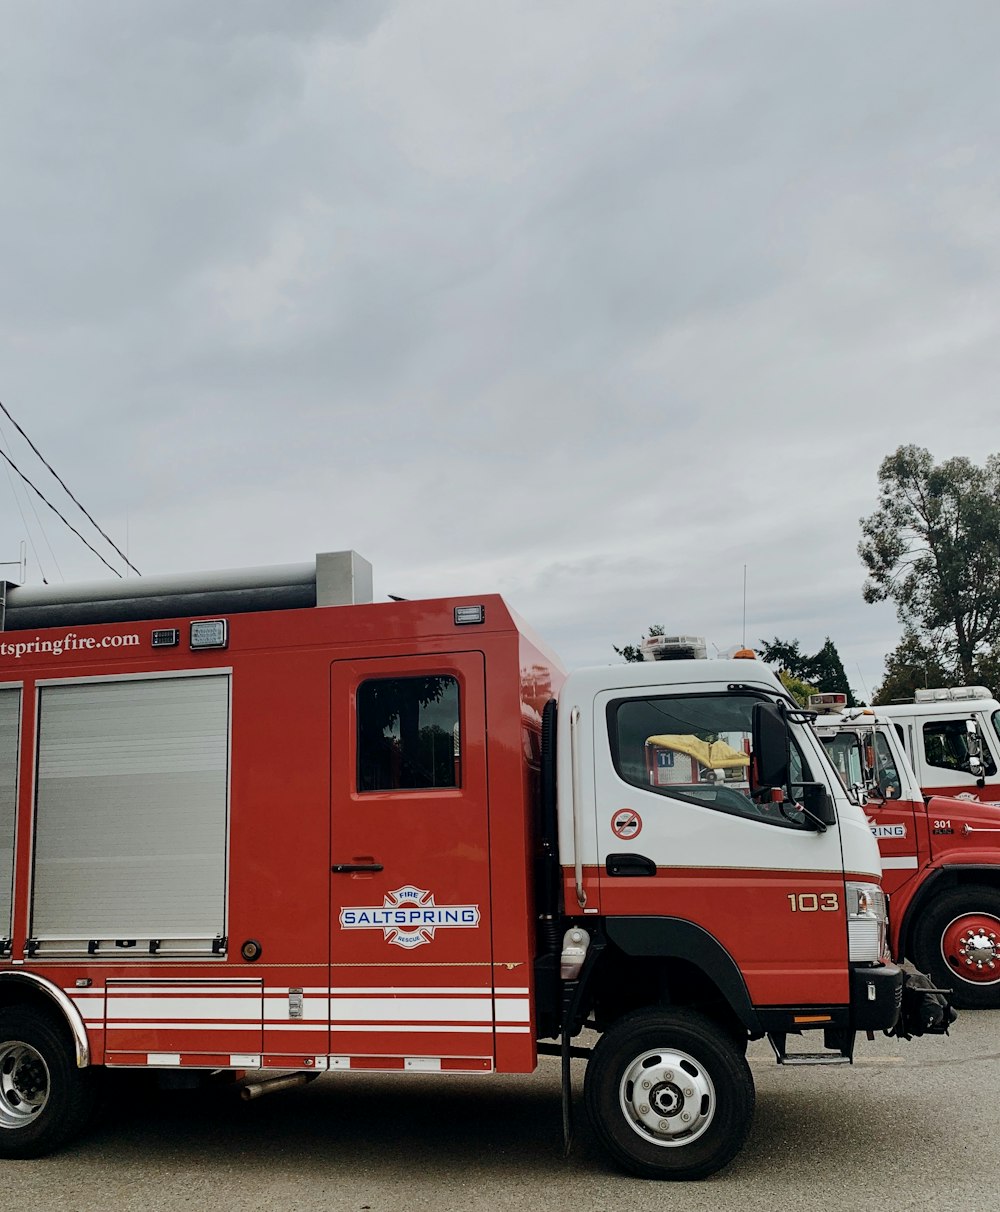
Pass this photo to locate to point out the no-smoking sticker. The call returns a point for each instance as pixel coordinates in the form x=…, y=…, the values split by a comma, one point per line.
x=626, y=824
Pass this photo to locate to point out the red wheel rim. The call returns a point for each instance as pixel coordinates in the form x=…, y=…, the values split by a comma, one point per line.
x=971, y=948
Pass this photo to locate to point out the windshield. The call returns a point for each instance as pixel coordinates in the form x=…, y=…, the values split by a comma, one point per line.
x=865, y=762
x=887, y=776
x=844, y=751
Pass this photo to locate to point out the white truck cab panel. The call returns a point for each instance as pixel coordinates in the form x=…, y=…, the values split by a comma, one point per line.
x=952, y=739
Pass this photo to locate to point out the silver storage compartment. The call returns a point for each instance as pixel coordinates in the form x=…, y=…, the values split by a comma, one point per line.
x=131, y=816
x=10, y=718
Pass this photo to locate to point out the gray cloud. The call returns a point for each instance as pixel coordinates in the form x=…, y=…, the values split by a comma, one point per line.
x=591, y=303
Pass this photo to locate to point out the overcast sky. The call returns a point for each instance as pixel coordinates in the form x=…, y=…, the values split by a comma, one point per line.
x=592, y=303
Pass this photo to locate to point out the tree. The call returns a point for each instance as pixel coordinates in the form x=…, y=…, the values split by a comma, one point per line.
x=824, y=670
x=786, y=654
x=933, y=547
x=633, y=652
x=912, y=666
x=799, y=690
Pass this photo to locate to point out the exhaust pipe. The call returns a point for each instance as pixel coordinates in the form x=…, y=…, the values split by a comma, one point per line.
x=271, y=1085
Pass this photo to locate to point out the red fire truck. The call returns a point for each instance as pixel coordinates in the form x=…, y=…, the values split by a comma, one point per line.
x=259, y=824
x=940, y=854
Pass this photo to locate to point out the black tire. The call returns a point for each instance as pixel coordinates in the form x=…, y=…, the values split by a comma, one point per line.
x=695, y=1070
x=44, y=1097
x=957, y=943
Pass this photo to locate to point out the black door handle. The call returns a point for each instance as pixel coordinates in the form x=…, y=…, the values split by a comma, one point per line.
x=629, y=864
x=347, y=868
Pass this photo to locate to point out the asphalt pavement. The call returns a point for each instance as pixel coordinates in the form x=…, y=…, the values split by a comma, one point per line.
x=909, y=1126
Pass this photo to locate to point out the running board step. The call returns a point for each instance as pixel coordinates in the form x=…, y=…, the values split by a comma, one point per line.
x=840, y=1050
x=814, y=1058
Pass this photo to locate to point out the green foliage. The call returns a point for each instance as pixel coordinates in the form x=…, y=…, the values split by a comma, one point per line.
x=824, y=670
x=786, y=654
x=933, y=548
x=799, y=690
x=912, y=666
x=633, y=652
x=827, y=670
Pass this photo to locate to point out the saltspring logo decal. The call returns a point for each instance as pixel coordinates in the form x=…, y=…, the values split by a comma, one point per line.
x=409, y=917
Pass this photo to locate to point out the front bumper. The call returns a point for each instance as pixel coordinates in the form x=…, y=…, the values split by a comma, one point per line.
x=876, y=996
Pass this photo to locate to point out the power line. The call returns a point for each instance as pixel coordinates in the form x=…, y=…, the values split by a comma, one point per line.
x=40, y=494
x=30, y=500
x=17, y=501
x=70, y=495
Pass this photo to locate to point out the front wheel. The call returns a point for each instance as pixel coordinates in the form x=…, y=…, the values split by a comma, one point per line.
x=957, y=943
x=669, y=1094
x=44, y=1097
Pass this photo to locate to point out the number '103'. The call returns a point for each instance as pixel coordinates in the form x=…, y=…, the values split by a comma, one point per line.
x=814, y=902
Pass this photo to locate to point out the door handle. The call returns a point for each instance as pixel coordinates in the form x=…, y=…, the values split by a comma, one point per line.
x=347, y=868
x=629, y=864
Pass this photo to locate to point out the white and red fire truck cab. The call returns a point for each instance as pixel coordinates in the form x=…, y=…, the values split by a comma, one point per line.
x=330, y=835
x=952, y=739
x=940, y=857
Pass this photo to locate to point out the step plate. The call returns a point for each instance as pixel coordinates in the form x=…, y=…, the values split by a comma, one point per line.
x=813, y=1058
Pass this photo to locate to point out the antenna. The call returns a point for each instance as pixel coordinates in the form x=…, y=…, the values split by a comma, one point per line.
x=862, y=677
x=744, y=605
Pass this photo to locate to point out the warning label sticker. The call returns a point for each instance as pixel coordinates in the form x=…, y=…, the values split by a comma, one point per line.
x=626, y=823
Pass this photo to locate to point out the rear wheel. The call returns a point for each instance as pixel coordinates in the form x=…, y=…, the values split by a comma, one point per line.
x=669, y=1094
x=957, y=943
x=44, y=1097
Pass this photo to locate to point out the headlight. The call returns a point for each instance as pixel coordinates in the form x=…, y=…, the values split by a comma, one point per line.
x=867, y=924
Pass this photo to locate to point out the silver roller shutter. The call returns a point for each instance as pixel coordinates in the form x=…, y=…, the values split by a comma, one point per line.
x=10, y=714
x=130, y=834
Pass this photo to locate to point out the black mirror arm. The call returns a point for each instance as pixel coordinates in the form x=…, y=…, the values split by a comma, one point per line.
x=821, y=826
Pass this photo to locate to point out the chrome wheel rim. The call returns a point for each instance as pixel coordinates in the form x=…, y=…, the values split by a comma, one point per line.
x=667, y=1097
x=24, y=1084
x=970, y=946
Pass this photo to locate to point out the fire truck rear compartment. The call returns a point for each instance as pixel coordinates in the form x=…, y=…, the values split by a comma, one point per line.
x=130, y=833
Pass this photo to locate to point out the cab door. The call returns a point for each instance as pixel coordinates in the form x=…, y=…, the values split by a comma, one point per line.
x=411, y=975
x=680, y=838
x=956, y=757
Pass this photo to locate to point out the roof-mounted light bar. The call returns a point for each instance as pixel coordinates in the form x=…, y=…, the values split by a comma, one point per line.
x=948, y=694
x=674, y=648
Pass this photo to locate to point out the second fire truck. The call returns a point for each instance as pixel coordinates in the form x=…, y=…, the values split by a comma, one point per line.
x=940, y=855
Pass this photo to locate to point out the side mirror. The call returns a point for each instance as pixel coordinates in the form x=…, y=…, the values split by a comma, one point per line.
x=770, y=759
x=974, y=748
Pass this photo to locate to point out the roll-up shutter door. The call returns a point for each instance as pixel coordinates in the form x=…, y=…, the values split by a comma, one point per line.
x=10, y=714
x=130, y=842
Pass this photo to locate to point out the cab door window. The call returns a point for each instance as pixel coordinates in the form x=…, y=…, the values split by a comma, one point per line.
x=946, y=745
x=696, y=748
